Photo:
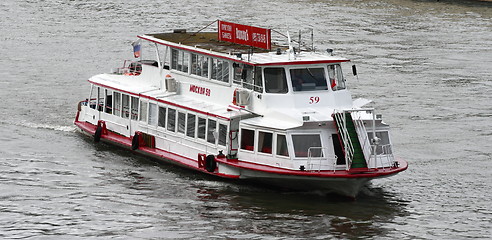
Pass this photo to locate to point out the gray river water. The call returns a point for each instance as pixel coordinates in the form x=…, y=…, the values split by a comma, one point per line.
x=426, y=65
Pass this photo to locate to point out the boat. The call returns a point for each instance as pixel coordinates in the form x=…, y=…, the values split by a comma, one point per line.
x=236, y=103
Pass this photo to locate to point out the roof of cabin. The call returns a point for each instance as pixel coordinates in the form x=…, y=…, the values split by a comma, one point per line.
x=208, y=43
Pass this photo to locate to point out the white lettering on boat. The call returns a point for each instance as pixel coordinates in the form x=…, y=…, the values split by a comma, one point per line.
x=242, y=34
x=258, y=37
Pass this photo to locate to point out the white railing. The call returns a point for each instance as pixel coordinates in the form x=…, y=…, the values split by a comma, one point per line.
x=321, y=160
x=382, y=154
x=362, y=134
x=347, y=143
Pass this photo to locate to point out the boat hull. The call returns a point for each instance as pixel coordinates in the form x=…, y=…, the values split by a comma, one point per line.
x=341, y=182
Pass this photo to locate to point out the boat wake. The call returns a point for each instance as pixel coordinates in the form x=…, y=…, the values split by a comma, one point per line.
x=59, y=128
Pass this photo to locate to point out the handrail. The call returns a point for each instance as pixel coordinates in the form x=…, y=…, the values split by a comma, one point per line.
x=323, y=157
x=347, y=142
x=385, y=152
x=362, y=134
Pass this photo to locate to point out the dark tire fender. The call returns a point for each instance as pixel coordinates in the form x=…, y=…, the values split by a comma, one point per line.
x=136, y=141
x=210, y=163
x=97, y=134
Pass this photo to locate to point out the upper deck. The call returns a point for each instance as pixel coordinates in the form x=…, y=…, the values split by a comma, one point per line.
x=208, y=43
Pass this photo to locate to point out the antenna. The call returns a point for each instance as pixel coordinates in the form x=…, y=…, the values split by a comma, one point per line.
x=312, y=39
x=299, y=41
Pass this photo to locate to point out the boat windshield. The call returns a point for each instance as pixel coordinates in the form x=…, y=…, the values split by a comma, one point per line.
x=308, y=79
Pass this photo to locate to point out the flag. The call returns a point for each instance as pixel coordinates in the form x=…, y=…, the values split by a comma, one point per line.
x=136, y=48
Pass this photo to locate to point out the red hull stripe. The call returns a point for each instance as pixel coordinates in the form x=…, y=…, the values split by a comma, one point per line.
x=245, y=62
x=193, y=164
x=156, y=153
x=371, y=173
x=163, y=101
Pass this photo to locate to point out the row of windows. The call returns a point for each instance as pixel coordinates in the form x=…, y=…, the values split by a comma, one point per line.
x=200, y=65
x=264, y=143
x=169, y=119
x=189, y=124
x=195, y=126
x=250, y=77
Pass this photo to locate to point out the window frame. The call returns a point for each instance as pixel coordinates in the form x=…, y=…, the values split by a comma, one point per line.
x=319, y=134
x=241, y=135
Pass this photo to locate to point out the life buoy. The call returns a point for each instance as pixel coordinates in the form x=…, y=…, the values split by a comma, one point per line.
x=135, y=141
x=97, y=134
x=210, y=163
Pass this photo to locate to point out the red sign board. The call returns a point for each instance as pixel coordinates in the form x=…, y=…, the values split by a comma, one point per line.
x=245, y=35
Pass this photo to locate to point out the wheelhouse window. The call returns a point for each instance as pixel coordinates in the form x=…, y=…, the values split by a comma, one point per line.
x=179, y=60
x=337, y=82
x=134, y=108
x=247, y=139
x=199, y=65
x=282, y=145
x=248, y=76
x=308, y=79
x=152, y=114
x=220, y=70
x=143, y=110
x=275, y=80
x=265, y=142
x=307, y=143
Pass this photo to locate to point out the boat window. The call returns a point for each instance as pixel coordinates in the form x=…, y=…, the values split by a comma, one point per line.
x=162, y=117
x=92, y=99
x=181, y=122
x=220, y=70
x=384, y=146
x=117, y=104
x=308, y=79
x=199, y=65
x=190, y=125
x=337, y=82
x=302, y=144
x=247, y=139
x=171, y=119
x=201, y=127
x=152, y=114
x=248, y=76
x=179, y=60
x=282, y=145
x=134, y=108
x=100, y=99
x=125, y=105
x=222, y=134
x=109, y=101
x=212, y=126
x=143, y=109
x=265, y=142
x=275, y=80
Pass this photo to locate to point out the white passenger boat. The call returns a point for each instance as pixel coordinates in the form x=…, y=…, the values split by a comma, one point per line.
x=233, y=104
